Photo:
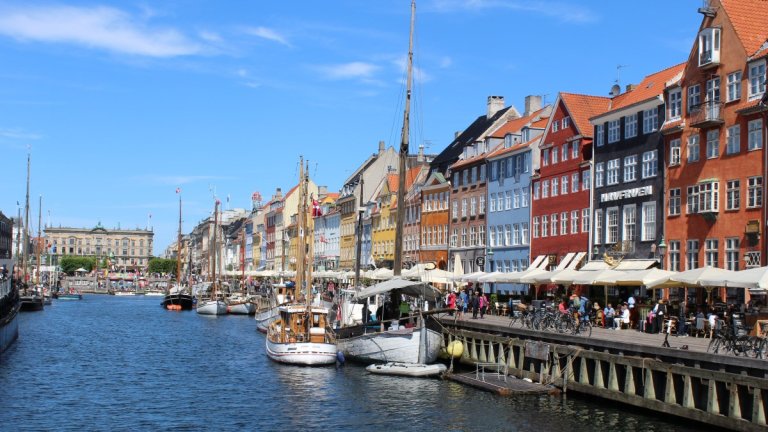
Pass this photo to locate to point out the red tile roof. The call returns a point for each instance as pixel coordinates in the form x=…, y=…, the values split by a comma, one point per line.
x=750, y=21
x=502, y=151
x=582, y=107
x=651, y=86
x=515, y=125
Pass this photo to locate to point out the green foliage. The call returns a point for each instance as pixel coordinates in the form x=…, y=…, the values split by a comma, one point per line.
x=162, y=265
x=494, y=298
x=70, y=263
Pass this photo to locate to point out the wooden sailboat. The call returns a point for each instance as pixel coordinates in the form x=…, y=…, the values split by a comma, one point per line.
x=213, y=305
x=301, y=334
x=178, y=297
x=31, y=300
x=419, y=341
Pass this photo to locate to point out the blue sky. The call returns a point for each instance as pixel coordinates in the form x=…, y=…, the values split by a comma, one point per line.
x=121, y=102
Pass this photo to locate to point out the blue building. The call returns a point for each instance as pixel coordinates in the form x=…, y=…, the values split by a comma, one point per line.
x=510, y=165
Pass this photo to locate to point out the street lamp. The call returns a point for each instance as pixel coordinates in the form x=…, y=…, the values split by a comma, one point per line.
x=662, y=250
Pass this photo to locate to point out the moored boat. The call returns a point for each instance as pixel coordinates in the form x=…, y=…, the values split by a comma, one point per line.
x=300, y=336
x=9, y=308
x=407, y=369
x=240, y=305
x=213, y=305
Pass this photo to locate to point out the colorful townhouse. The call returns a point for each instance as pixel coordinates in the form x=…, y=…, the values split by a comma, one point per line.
x=414, y=181
x=560, y=212
x=714, y=137
x=628, y=197
x=435, y=195
x=327, y=229
x=510, y=166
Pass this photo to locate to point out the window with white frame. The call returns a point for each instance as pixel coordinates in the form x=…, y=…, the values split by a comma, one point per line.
x=455, y=210
x=516, y=198
x=585, y=220
x=481, y=209
x=563, y=223
x=481, y=235
x=732, y=195
x=565, y=122
x=524, y=197
x=734, y=86
x=713, y=89
x=553, y=227
x=536, y=190
x=692, y=254
x=545, y=157
x=649, y=221
x=555, y=154
x=545, y=189
x=674, y=202
x=630, y=168
x=555, y=186
x=574, y=221
x=612, y=173
x=507, y=200
x=693, y=148
x=463, y=207
x=711, y=255
x=500, y=235
x=472, y=236
x=713, y=143
x=585, y=179
x=630, y=223
x=574, y=182
x=650, y=164
x=709, y=197
x=732, y=253
x=674, y=255
x=494, y=170
x=599, y=168
x=694, y=96
x=675, y=104
x=599, y=135
x=473, y=206
x=507, y=235
x=456, y=179
x=564, y=185
x=733, y=141
x=524, y=233
x=492, y=202
x=614, y=131
x=515, y=235
x=555, y=126
x=692, y=201
x=754, y=192
x=454, y=237
x=598, y=226
x=755, y=134
x=499, y=201
x=575, y=149
x=612, y=224
x=756, y=79
x=535, y=227
x=473, y=175
x=674, y=152
x=650, y=120
x=630, y=126
x=464, y=237
x=564, y=153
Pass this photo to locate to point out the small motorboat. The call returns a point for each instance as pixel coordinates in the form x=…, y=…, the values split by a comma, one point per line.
x=407, y=369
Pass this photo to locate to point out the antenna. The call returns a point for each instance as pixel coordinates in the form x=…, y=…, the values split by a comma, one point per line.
x=618, y=73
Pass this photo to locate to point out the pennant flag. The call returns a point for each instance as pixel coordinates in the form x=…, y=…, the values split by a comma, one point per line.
x=178, y=190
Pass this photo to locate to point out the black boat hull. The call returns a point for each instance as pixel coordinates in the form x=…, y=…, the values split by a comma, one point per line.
x=31, y=304
x=186, y=301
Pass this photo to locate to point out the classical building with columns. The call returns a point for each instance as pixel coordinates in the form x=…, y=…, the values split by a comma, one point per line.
x=129, y=249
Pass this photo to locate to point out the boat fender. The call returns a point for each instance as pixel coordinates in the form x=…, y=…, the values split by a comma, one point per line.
x=340, y=358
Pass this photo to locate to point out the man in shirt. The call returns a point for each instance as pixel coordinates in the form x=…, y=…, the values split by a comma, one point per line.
x=609, y=313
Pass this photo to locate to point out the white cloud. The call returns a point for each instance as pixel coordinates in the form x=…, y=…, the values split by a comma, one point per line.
x=560, y=10
x=446, y=62
x=19, y=134
x=97, y=27
x=419, y=74
x=268, y=34
x=210, y=36
x=352, y=70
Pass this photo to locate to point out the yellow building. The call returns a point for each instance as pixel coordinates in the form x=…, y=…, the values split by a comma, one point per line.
x=383, y=223
x=131, y=249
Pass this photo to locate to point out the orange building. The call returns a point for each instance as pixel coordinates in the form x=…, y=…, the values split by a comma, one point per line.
x=434, y=220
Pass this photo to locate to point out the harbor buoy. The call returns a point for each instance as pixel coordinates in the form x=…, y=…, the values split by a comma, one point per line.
x=455, y=349
x=340, y=358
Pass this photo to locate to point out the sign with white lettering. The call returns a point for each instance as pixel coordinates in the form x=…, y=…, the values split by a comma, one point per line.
x=627, y=193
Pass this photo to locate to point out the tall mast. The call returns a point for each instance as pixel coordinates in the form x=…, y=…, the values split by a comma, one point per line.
x=301, y=216
x=38, y=243
x=308, y=239
x=215, y=251
x=242, y=261
x=400, y=215
x=359, y=244
x=178, y=248
x=25, y=258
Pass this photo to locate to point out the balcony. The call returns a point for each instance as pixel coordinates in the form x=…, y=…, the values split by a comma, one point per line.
x=706, y=115
x=709, y=59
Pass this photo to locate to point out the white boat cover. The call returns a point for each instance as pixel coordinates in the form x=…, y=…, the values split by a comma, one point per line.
x=404, y=286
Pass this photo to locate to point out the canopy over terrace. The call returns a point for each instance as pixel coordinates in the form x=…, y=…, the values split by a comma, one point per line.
x=402, y=286
x=754, y=279
x=705, y=277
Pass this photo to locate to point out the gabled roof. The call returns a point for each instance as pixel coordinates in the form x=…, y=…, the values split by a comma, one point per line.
x=583, y=107
x=750, y=21
x=515, y=125
x=476, y=158
x=471, y=134
x=652, y=86
x=501, y=151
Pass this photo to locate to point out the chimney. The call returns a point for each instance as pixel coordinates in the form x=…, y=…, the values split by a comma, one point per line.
x=532, y=104
x=631, y=87
x=456, y=134
x=278, y=194
x=495, y=104
x=381, y=147
x=420, y=157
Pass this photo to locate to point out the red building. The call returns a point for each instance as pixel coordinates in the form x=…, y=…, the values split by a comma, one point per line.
x=560, y=213
x=714, y=140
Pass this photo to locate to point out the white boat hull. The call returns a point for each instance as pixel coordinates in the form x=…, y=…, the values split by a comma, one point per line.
x=212, y=307
x=400, y=346
x=125, y=293
x=407, y=369
x=264, y=319
x=242, y=309
x=302, y=353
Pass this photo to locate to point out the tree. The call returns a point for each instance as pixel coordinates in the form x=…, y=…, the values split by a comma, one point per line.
x=162, y=265
x=70, y=263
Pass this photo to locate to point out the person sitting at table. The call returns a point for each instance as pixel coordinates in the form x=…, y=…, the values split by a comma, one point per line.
x=623, y=318
x=608, y=313
x=563, y=308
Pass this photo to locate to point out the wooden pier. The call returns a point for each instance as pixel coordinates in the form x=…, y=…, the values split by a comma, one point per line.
x=624, y=366
x=501, y=385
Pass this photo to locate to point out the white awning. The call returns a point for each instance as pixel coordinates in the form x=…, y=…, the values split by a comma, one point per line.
x=536, y=262
x=565, y=261
x=636, y=264
x=404, y=286
x=576, y=260
x=595, y=265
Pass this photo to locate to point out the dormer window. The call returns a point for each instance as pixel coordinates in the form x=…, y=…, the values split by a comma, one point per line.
x=756, y=79
x=709, y=47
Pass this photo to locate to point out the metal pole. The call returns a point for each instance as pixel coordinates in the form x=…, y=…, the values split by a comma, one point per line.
x=359, y=245
x=25, y=260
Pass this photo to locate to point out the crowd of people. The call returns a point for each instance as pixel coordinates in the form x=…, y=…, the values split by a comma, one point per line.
x=465, y=301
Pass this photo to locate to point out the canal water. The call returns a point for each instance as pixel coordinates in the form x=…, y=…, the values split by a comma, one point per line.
x=119, y=363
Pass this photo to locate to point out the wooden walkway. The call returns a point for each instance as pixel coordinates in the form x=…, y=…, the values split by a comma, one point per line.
x=494, y=383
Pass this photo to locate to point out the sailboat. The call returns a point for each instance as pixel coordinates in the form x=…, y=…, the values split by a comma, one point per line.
x=31, y=299
x=178, y=297
x=301, y=334
x=418, y=341
x=213, y=305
